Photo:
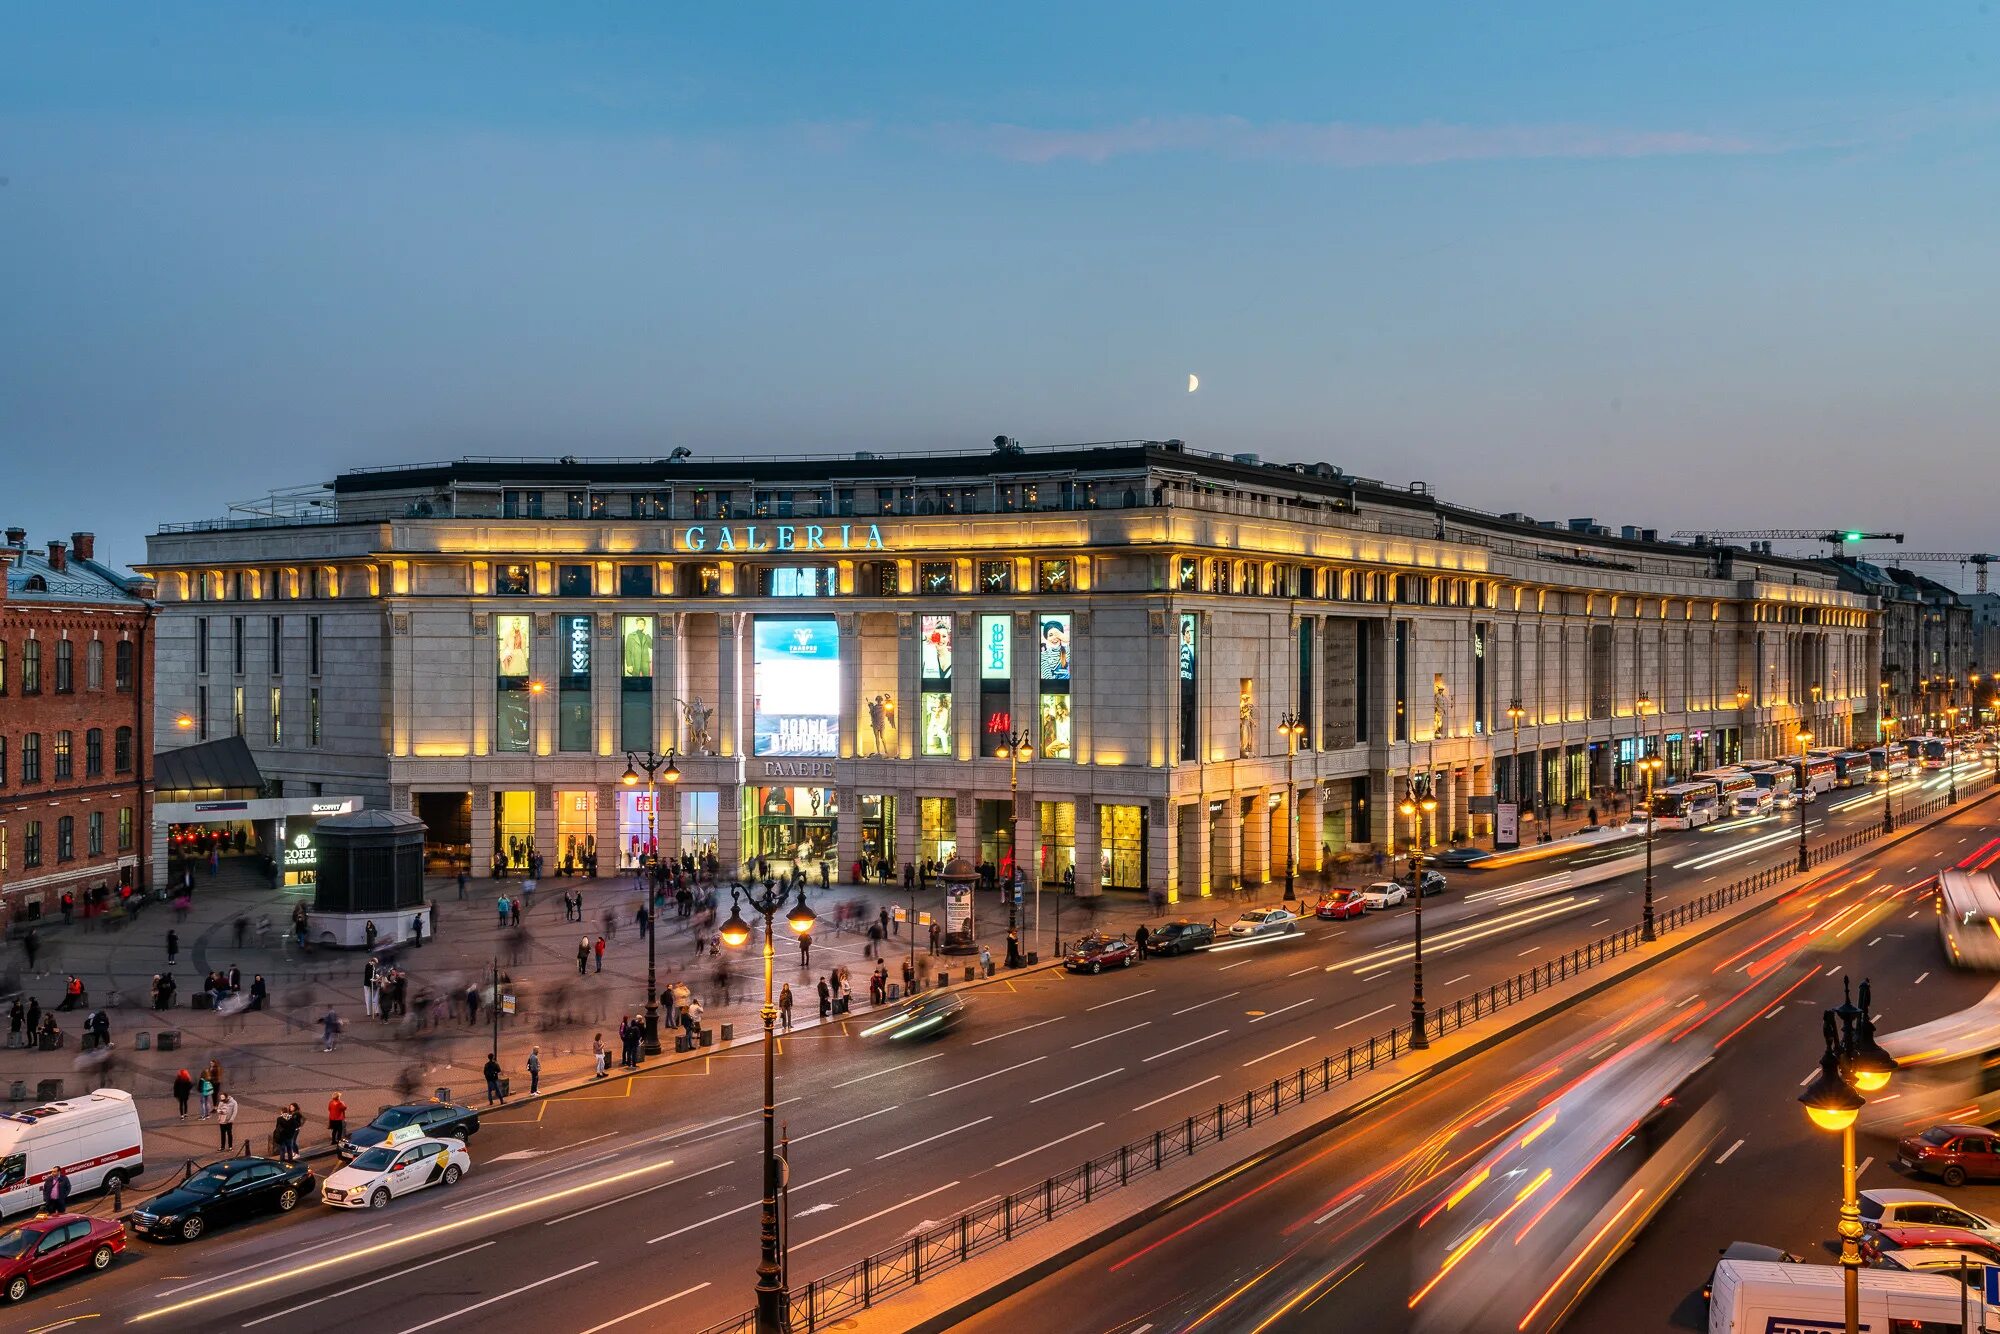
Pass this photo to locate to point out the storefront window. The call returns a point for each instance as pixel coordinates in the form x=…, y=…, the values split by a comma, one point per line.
x=1124, y=846
x=795, y=824
x=996, y=683
x=636, y=832
x=1055, y=827
x=936, y=708
x=937, y=828
x=996, y=843
x=576, y=831
x=878, y=826
x=701, y=824
x=513, y=830
x=512, y=717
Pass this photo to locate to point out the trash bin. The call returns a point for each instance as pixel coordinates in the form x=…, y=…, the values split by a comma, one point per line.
x=895, y=991
x=506, y=1086
x=728, y=1032
x=142, y=1041
x=989, y=967
x=1034, y=957
x=169, y=1040
x=201, y=1000
x=682, y=1042
x=18, y=1091
x=49, y=1090
x=971, y=971
x=708, y=1037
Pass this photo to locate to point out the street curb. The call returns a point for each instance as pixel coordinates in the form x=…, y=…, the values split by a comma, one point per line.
x=1018, y=1279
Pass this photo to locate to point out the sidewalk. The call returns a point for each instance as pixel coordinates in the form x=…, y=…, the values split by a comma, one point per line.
x=273, y=1057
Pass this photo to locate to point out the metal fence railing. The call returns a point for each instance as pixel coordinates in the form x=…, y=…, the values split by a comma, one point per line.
x=838, y=1295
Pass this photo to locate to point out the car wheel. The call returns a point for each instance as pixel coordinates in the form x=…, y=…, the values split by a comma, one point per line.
x=193, y=1226
x=1127, y=963
x=380, y=1199
x=17, y=1289
x=1096, y=967
x=452, y=1174
x=288, y=1199
x=115, y=1181
x=100, y=1259
x=1952, y=1176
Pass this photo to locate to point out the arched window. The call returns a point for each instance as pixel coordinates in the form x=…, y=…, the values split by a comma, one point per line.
x=65, y=667
x=31, y=667
x=93, y=665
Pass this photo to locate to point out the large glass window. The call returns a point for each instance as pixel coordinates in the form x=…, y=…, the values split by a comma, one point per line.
x=638, y=830
x=61, y=751
x=121, y=751
x=513, y=726
x=635, y=581
x=937, y=828
x=65, y=667
x=1123, y=846
x=124, y=828
x=1053, y=653
x=573, y=581
x=573, y=687
x=934, y=661
x=513, y=830
x=31, y=666
x=796, y=671
x=576, y=830
x=996, y=682
x=1055, y=827
x=795, y=824
x=31, y=758
x=513, y=580
x=93, y=752
x=94, y=834
x=1190, y=667
x=93, y=665
x=635, y=682
x=701, y=824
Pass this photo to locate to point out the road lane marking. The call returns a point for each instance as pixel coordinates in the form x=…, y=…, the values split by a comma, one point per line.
x=931, y=1139
x=1920, y=979
x=1526, y=952
x=828, y=1130
x=1866, y=1163
x=1176, y=1093
x=1689, y=1001
x=1022, y=1029
x=814, y=1241
x=1602, y=921
x=1836, y=968
x=1301, y=972
x=1490, y=1115
x=890, y=1071
x=1079, y=1084
x=728, y=1213
x=990, y=1074
x=1050, y=1145
x=1359, y=1017
x=650, y=1306
x=261, y=1264
x=1810, y=1075
x=648, y=1190
x=1336, y=1209
x=1120, y=1000
x=356, y=1287
x=1272, y=1014
x=1210, y=1001
x=1871, y=944
x=705, y=1125
x=1726, y=1152
x=1773, y=1014
x=1269, y=1054
x=515, y=1292
x=1119, y=1032
x=1456, y=980
x=1238, y=964
x=1185, y=1045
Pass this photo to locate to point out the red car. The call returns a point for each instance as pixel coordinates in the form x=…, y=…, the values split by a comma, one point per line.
x=1876, y=1242
x=41, y=1250
x=1954, y=1154
x=1095, y=953
x=1340, y=905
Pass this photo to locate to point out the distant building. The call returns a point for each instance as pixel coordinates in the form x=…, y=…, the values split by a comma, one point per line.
x=76, y=668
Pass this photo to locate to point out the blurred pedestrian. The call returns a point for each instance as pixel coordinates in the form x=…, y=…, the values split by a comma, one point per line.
x=598, y=1053
x=329, y=1024
x=173, y=947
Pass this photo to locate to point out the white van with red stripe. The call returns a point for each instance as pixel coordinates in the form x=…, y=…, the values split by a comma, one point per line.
x=92, y=1138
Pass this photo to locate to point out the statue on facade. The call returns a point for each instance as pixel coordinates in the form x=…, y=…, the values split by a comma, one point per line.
x=882, y=721
x=695, y=719
x=1246, y=721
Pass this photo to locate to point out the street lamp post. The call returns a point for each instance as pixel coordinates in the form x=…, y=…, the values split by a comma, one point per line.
x=656, y=767
x=1651, y=765
x=774, y=1303
x=1851, y=1065
x=1951, y=754
x=1805, y=739
x=1419, y=811
x=1514, y=713
x=1020, y=748
x=1291, y=729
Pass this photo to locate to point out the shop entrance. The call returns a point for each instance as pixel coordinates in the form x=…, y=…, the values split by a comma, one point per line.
x=447, y=818
x=796, y=825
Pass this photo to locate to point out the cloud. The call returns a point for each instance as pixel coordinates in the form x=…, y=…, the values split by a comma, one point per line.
x=1338, y=144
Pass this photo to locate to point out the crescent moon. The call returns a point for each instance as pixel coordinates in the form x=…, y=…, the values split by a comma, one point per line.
x=1194, y=383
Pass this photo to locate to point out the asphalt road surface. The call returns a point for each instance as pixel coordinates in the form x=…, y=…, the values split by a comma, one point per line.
x=634, y=1204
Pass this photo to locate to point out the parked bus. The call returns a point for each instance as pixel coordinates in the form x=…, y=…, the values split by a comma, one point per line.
x=1947, y=1069
x=1887, y=763
x=1779, y=780
x=1815, y=774
x=1850, y=768
x=1968, y=913
x=1686, y=806
x=1936, y=751
x=1736, y=790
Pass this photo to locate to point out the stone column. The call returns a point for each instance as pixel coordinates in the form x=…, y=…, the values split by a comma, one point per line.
x=847, y=832
x=852, y=707
x=1082, y=697
x=967, y=815
x=1089, y=860
x=1312, y=807
x=729, y=702
x=482, y=832
x=1257, y=849
x=1192, y=817
x=1384, y=822
x=965, y=695
x=1228, y=853
x=729, y=831
x=909, y=717
x=1461, y=802
x=908, y=815
x=1482, y=785
x=545, y=827
x=667, y=685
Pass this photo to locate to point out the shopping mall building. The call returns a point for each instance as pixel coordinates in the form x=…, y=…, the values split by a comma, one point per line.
x=837, y=650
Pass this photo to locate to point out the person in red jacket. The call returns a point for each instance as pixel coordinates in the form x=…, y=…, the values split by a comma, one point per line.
x=599, y=947
x=336, y=1119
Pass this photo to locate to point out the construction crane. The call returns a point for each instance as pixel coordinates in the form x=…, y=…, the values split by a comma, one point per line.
x=1838, y=540
x=1976, y=559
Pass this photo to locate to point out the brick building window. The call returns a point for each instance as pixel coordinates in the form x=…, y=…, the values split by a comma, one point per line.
x=3, y=761
x=31, y=759
x=93, y=665
x=121, y=666
x=94, y=835
x=66, y=838
x=65, y=667
x=3, y=666
x=31, y=844
x=93, y=753
x=121, y=751
x=31, y=667
x=124, y=828
x=64, y=764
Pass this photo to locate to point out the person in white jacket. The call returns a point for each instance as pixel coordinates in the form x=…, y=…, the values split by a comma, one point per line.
x=225, y=1117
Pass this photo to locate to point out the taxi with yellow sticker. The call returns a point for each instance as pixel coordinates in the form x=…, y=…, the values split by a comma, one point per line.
x=408, y=1160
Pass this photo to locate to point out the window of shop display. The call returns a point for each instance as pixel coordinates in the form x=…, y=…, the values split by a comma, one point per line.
x=1052, y=576
x=878, y=827
x=934, y=651
x=996, y=576
x=707, y=581
x=637, y=830
x=934, y=576
x=1124, y=846
x=996, y=843
x=512, y=721
x=1052, y=632
x=701, y=824
x=573, y=581
x=513, y=829
x=996, y=683
x=796, y=669
x=935, y=707
x=937, y=828
x=513, y=580
x=1055, y=830
x=576, y=831
x=573, y=694
x=635, y=581
x=1190, y=668
x=786, y=581
x=635, y=682
x=1188, y=573
x=795, y=825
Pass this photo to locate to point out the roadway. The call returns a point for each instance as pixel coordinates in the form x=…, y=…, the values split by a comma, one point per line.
x=1462, y=1206
x=637, y=1200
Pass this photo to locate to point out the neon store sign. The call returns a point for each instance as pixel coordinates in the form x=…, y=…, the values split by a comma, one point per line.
x=783, y=537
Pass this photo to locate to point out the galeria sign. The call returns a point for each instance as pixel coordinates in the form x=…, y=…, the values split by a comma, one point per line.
x=782, y=537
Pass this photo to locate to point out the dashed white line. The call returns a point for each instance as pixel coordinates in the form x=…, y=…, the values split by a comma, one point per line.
x=858, y=1079
x=1079, y=1084
x=1050, y=1145
x=1210, y=1001
x=356, y=1287
x=1772, y=1013
x=1238, y=964
x=1307, y=969
x=1456, y=980
x=1273, y=1014
x=1269, y=1054
x=1323, y=1217
x=730, y=1213
x=1185, y=1045
x=1866, y=1163
x=990, y=1074
x=1526, y=952
x=828, y=1130
x=1602, y=921
x=1810, y=1074
x=1836, y=968
x=813, y=1241
x=646, y=1190
x=1728, y=1151
x=1490, y=1115
x=1359, y=1017
x=1176, y=1093
x=1022, y=1029
x=1120, y=1000
x=514, y=1292
x=1920, y=979
x=1118, y=1032
x=931, y=1139
x=1689, y=1001
x=1871, y=944
x=650, y=1306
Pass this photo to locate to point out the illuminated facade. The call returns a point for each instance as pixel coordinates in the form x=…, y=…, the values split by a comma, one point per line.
x=837, y=650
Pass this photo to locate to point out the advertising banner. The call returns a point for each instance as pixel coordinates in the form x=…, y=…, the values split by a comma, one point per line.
x=934, y=648
x=796, y=667
x=511, y=636
x=1507, y=826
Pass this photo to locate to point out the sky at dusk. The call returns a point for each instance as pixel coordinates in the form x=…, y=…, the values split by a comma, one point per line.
x=1700, y=264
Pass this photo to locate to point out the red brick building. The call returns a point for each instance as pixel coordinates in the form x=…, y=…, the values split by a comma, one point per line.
x=76, y=740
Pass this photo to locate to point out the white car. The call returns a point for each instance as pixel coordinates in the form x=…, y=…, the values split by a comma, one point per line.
x=1264, y=922
x=394, y=1169
x=1896, y=1207
x=1385, y=894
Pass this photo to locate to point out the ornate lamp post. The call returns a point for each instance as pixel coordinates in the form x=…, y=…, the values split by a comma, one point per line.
x=1020, y=748
x=1805, y=739
x=1419, y=811
x=1514, y=715
x=662, y=768
x=774, y=1303
x=1291, y=729
x=1851, y=1065
x=1950, y=754
x=1651, y=766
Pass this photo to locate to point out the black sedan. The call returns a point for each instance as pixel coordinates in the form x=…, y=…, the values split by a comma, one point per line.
x=223, y=1192
x=1180, y=937
x=438, y=1120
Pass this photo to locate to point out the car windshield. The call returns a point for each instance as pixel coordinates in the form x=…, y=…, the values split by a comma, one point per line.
x=1936, y=1136
x=375, y=1160
x=395, y=1119
x=16, y=1241
x=206, y=1183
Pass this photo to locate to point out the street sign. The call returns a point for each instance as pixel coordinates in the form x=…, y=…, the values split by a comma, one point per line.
x=1993, y=1285
x=1480, y=805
